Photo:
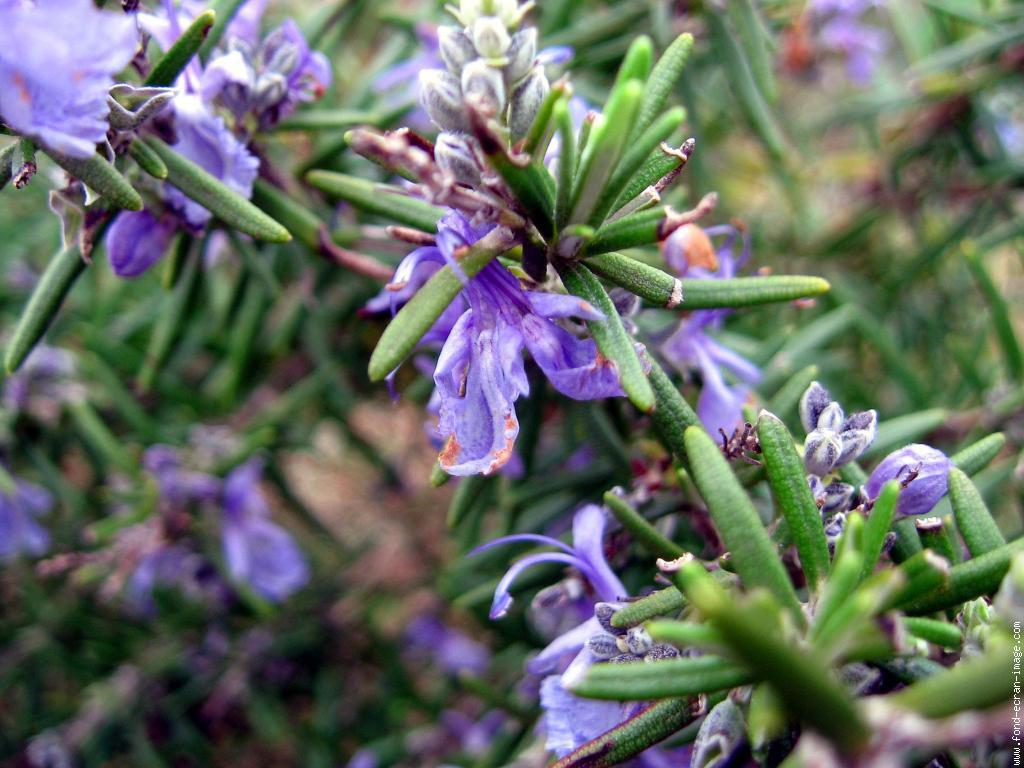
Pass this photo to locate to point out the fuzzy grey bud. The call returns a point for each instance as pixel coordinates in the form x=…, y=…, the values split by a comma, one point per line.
x=858, y=433
x=527, y=96
x=441, y=97
x=821, y=451
x=831, y=418
x=454, y=154
x=484, y=82
x=490, y=37
x=661, y=651
x=456, y=48
x=815, y=400
x=603, y=646
x=603, y=612
x=520, y=54
x=837, y=498
x=638, y=641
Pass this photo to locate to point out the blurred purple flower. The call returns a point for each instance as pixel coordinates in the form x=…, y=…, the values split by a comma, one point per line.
x=844, y=31
x=921, y=469
x=178, y=486
x=266, y=79
x=172, y=566
x=480, y=372
x=19, y=531
x=451, y=650
x=258, y=552
x=57, y=62
x=42, y=384
x=688, y=253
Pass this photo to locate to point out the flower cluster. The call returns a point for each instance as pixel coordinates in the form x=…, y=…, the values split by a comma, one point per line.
x=258, y=553
x=246, y=87
x=490, y=62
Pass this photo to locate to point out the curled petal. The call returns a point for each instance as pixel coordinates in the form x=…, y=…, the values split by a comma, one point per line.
x=502, y=595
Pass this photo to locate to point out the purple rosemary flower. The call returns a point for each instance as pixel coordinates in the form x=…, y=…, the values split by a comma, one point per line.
x=265, y=81
x=586, y=555
x=19, y=531
x=137, y=240
x=480, y=372
x=842, y=29
x=921, y=470
x=689, y=252
x=58, y=59
x=258, y=552
x=569, y=720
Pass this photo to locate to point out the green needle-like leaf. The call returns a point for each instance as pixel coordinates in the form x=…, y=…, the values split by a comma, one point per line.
x=653, y=540
x=649, y=283
x=737, y=522
x=609, y=334
x=6, y=163
x=662, y=82
x=636, y=65
x=660, y=603
x=977, y=456
x=147, y=159
x=940, y=633
x=102, y=177
x=566, y=161
x=684, y=634
x=750, y=291
x=794, y=497
x=977, y=683
x=526, y=182
x=607, y=143
x=801, y=681
x=415, y=318
x=877, y=525
x=976, y=577
x=894, y=433
x=219, y=199
x=379, y=199
x=672, y=414
x=633, y=159
x=330, y=120
x=661, y=679
x=656, y=167
x=43, y=305
x=642, y=731
x=974, y=521
x=177, y=57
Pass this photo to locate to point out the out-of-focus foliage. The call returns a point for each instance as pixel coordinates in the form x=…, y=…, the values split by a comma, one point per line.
x=877, y=145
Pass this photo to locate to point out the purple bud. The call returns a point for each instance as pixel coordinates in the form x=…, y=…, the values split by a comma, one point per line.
x=831, y=418
x=521, y=54
x=720, y=735
x=441, y=97
x=821, y=452
x=815, y=400
x=456, y=48
x=484, y=82
x=920, y=469
x=603, y=645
